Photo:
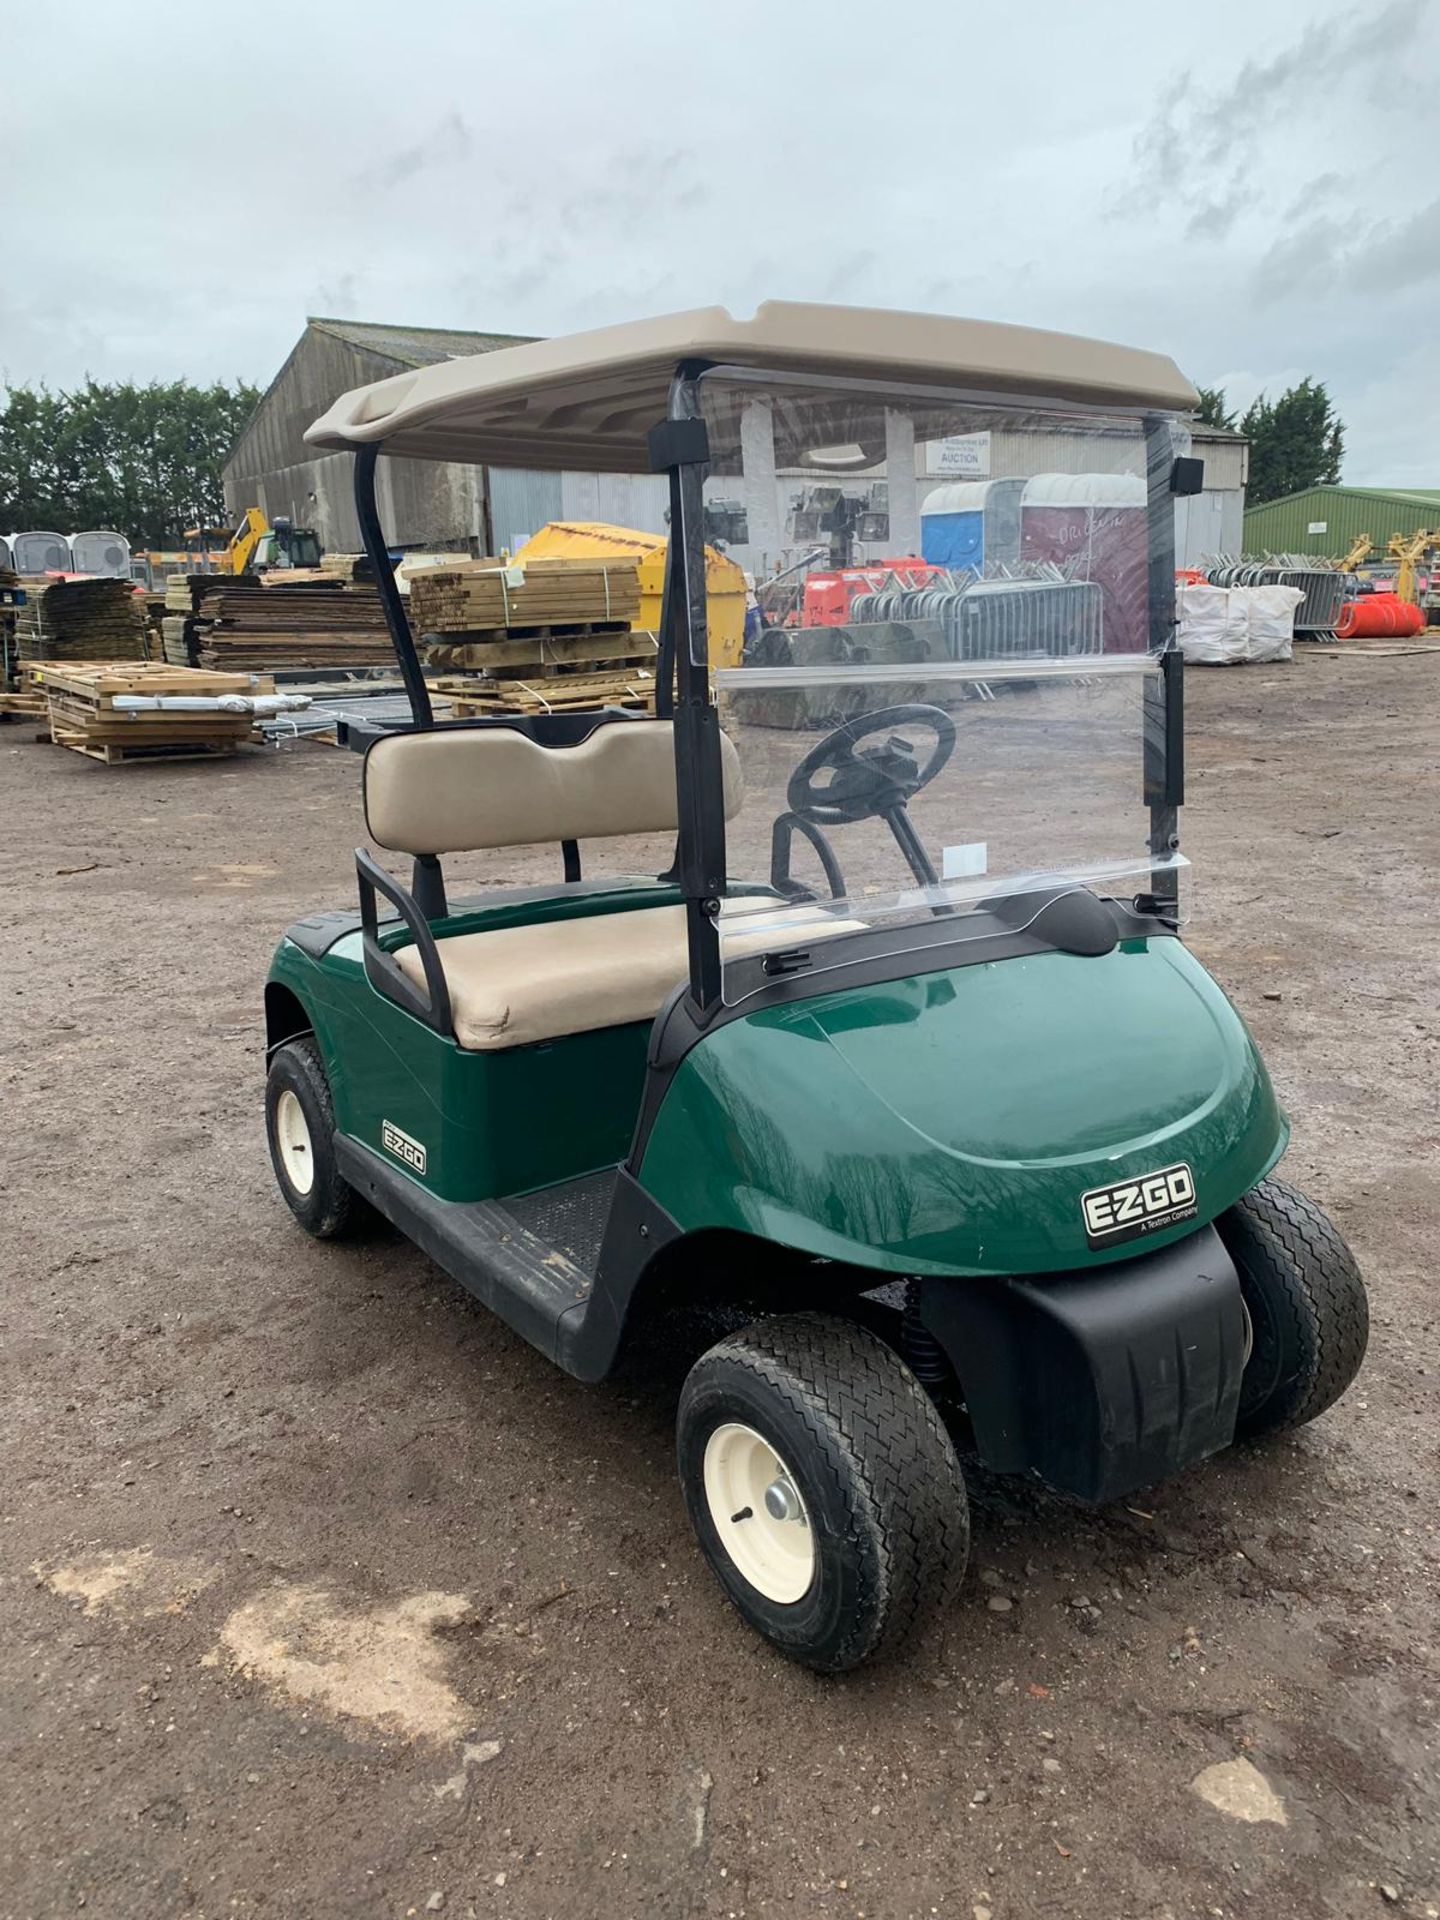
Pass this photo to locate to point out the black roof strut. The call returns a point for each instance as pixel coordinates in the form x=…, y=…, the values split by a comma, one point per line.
x=396, y=619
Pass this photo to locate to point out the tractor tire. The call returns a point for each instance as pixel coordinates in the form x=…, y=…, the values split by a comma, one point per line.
x=823, y=1488
x=1309, y=1316
x=300, y=1126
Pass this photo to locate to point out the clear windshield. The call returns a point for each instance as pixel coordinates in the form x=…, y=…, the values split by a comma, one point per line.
x=949, y=706
x=884, y=797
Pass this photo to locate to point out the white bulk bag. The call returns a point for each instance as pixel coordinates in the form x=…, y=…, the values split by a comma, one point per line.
x=1272, y=620
x=1214, y=629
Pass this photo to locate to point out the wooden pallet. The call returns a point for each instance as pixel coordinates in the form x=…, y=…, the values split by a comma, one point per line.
x=471, y=698
x=80, y=702
x=31, y=704
x=533, y=650
x=109, y=754
x=97, y=682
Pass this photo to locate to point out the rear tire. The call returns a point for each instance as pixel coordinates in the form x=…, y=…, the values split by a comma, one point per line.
x=1309, y=1316
x=300, y=1126
x=882, y=1513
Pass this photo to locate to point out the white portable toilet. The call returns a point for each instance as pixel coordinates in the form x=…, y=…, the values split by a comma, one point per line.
x=102, y=552
x=40, y=552
x=1093, y=525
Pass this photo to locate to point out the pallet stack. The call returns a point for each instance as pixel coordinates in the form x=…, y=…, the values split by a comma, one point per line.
x=81, y=620
x=244, y=625
x=274, y=622
x=80, y=701
x=551, y=637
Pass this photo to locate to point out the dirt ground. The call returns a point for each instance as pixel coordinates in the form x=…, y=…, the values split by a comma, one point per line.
x=325, y=1595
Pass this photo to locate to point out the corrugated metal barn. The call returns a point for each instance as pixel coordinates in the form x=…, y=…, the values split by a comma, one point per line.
x=422, y=504
x=1330, y=520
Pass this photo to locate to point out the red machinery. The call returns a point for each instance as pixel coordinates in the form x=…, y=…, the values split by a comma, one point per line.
x=828, y=597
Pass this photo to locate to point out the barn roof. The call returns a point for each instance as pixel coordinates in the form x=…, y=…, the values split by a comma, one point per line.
x=415, y=346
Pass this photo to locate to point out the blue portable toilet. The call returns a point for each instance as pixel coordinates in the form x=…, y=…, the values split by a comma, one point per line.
x=952, y=526
x=972, y=524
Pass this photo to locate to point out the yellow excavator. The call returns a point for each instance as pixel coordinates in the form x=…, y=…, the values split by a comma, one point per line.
x=255, y=546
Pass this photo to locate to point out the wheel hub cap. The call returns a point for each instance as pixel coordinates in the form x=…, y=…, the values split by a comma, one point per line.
x=292, y=1136
x=757, y=1511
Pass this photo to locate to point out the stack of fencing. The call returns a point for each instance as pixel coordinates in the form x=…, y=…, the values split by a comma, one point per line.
x=1323, y=589
x=1039, y=616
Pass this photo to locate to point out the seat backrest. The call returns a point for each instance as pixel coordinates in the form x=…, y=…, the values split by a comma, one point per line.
x=462, y=789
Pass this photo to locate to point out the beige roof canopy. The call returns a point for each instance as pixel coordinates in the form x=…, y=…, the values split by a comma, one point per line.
x=587, y=401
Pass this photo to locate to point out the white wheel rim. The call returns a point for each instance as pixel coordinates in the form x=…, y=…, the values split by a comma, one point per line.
x=293, y=1138
x=769, y=1540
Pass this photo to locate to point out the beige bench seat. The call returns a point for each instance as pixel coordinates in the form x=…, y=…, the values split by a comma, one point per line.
x=513, y=986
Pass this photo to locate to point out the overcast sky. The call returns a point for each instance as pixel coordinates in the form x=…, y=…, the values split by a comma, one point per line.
x=1249, y=185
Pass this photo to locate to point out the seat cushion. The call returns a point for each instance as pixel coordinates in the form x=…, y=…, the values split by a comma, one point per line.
x=512, y=986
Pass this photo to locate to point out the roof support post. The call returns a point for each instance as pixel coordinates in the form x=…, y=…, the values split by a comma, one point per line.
x=680, y=447
x=902, y=491
x=396, y=619
x=1165, y=700
x=761, y=490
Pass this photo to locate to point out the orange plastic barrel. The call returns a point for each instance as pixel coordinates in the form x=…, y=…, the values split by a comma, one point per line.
x=1378, y=616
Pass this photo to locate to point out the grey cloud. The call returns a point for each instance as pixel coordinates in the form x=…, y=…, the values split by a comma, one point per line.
x=449, y=142
x=1203, y=145
x=1380, y=259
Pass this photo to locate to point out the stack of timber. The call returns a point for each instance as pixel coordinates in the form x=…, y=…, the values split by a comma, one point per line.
x=177, y=624
x=480, y=596
x=84, y=717
x=553, y=637
x=245, y=625
x=81, y=620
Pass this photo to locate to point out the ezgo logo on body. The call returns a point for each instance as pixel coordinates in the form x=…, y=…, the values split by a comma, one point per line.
x=1132, y=1207
x=402, y=1146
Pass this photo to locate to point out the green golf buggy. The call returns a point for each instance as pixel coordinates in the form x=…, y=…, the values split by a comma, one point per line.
x=843, y=1007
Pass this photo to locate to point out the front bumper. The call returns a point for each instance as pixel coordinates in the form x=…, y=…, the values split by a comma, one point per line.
x=1103, y=1380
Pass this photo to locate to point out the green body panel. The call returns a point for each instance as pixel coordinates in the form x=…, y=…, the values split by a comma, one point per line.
x=490, y=1123
x=950, y=1123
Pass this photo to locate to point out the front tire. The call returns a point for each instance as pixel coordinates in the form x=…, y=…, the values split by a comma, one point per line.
x=300, y=1126
x=1309, y=1316
x=823, y=1488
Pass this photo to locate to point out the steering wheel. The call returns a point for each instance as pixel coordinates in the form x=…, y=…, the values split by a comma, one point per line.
x=872, y=782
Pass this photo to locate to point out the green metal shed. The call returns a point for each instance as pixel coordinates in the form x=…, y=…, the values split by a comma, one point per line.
x=1330, y=519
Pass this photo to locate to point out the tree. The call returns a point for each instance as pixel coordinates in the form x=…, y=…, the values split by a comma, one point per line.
x=1296, y=441
x=1212, y=411
x=144, y=460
